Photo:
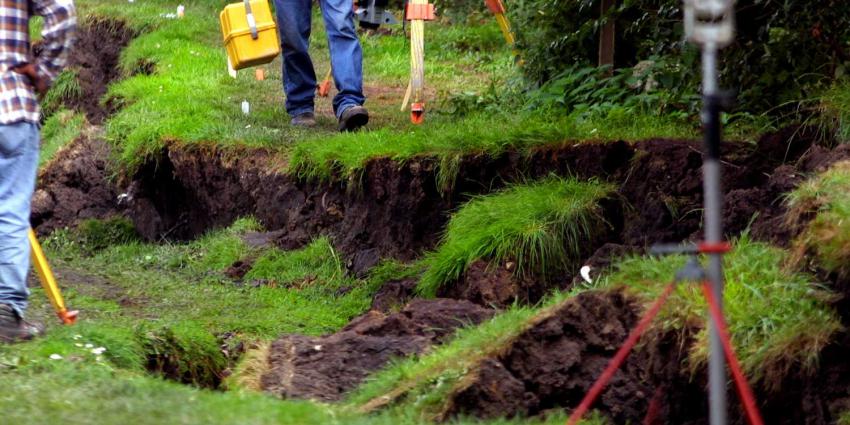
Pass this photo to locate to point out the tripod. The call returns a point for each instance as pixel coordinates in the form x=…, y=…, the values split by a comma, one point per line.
x=710, y=25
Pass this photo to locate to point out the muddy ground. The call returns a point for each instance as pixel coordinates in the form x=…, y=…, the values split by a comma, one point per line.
x=398, y=211
x=326, y=368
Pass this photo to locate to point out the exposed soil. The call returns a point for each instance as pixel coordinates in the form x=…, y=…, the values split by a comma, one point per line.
x=554, y=363
x=95, y=57
x=75, y=186
x=394, y=295
x=397, y=210
x=325, y=368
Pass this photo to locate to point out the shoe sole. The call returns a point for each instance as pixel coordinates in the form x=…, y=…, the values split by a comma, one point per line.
x=354, y=122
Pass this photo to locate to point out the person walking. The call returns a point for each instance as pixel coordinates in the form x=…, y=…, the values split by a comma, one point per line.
x=299, y=76
x=22, y=78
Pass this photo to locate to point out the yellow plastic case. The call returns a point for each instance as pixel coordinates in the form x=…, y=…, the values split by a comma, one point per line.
x=242, y=49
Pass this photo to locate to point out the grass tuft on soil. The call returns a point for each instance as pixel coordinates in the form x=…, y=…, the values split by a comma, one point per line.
x=540, y=226
x=779, y=319
x=448, y=139
x=823, y=199
x=62, y=128
x=422, y=384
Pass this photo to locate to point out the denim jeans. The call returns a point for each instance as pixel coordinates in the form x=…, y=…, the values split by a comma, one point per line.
x=18, y=167
x=299, y=76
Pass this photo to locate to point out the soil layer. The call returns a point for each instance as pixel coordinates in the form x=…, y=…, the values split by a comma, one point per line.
x=325, y=368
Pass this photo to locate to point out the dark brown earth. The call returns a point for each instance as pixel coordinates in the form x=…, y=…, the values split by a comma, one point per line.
x=325, y=368
x=398, y=211
x=95, y=57
x=75, y=186
x=554, y=363
x=493, y=285
x=394, y=294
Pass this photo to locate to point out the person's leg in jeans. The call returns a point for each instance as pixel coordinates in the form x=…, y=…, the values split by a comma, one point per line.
x=346, y=54
x=18, y=167
x=299, y=77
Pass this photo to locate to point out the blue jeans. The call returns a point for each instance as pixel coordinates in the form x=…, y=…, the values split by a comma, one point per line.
x=18, y=167
x=299, y=77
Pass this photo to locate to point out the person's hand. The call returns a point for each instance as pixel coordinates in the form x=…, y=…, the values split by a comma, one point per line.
x=29, y=70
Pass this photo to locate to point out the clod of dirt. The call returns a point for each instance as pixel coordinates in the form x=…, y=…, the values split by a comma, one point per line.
x=555, y=362
x=493, y=285
x=75, y=186
x=325, y=368
x=393, y=295
x=239, y=269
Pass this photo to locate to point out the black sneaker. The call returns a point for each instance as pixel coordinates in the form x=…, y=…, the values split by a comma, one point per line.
x=14, y=329
x=353, y=118
x=306, y=120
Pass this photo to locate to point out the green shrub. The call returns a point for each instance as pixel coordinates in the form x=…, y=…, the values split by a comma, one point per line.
x=785, y=51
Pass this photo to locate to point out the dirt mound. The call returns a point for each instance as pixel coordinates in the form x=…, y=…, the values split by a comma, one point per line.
x=493, y=285
x=325, y=368
x=75, y=186
x=554, y=363
x=394, y=294
x=95, y=57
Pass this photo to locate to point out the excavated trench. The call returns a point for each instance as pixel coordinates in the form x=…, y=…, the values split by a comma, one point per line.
x=398, y=211
x=77, y=184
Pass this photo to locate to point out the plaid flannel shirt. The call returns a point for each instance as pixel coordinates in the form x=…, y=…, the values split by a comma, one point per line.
x=18, y=101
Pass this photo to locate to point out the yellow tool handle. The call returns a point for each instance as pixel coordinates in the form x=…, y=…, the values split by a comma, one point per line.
x=48, y=281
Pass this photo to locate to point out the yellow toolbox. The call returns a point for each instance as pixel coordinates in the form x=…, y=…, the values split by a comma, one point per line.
x=250, y=34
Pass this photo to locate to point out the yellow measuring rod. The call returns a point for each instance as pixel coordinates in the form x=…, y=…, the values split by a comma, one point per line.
x=48, y=281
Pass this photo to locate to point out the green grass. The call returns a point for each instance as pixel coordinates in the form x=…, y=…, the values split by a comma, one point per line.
x=779, y=320
x=540, y=226
x=65, y=88
x=448, y=139
x=59, y=130
x=190, y=99
x=827, y=235
x=316, y=262
x=835, y=110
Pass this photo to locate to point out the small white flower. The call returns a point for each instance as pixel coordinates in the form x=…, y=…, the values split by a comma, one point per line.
x=78, y=345
x=98, y=351
x=78, y=337
x=55, y=357
x=89, y=345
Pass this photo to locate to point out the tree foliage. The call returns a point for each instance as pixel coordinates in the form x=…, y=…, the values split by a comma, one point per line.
x=785, y=50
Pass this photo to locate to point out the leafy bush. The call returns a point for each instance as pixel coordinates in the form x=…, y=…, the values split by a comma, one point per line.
x=785, y=51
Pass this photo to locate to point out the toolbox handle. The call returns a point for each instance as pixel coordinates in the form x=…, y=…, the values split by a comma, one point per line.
x=252, y=23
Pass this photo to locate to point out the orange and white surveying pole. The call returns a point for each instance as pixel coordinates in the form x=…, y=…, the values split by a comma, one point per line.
x=417, y=12
x=48, y=281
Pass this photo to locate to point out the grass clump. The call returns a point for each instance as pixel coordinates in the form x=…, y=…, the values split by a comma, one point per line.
x=98, y=234
x=778, y=318
x=835, y=110
x=186, y=353
x=65, y=88
x=58, y=131
x=540, y=226
x=317, y=262
x=827, y=235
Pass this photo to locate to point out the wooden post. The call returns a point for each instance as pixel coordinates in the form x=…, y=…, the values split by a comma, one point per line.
x=606, y=37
